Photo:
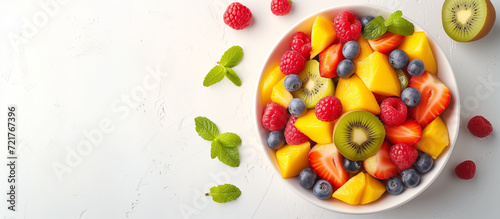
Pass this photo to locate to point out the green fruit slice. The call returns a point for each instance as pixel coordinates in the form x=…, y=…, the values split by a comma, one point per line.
x=358, y=135
x=467, y=20
x=403, y=79
x=314, y=87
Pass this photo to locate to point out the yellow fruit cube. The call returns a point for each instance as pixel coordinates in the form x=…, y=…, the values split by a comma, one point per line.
x=323, y=34
x=281, y=95
x=378, y=75
x=352, y=191
x=373, y=190
x=364, y=50
x=434, y=138
x=319, y=131
x=417, y=47
x=354, y=95
x=292, y=159
x=270, y=79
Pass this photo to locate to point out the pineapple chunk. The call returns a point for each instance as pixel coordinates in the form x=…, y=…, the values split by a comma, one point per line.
x=352, y=191
x=319, y=131
x=354, y=95
x=270, y=79
x=281, y=95
x=378, y=75
x=373, y=190
x=417, y=47
x=434, y=138
x=323, y=34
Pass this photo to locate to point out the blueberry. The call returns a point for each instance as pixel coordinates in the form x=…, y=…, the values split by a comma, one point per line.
x=346, y=69
x=394, y=186
x=297, y=107
x=350, y=50
x=410, y=177
x=416, y=67
x=424, y=162
x=366, y=20
x=411, y=97
x=351, y=166
x=307, y=177
x=276, y=139
x=322, y=189
x=293, y=83
x=398, y=59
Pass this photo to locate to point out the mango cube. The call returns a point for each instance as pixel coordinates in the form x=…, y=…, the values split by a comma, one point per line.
x=378, y=75
x=319, y=131
x=281, y=95
x=270, y=79
x=292, y=159
x=354, y=95
x=364, y=50
x=352, y=191
x=417, y=47
x=374, y=189
x=434, y=138
x=323, y=34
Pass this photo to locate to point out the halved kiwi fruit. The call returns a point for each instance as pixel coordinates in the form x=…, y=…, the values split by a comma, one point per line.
x=358, y=135
x=467, y=20
x=314, y=87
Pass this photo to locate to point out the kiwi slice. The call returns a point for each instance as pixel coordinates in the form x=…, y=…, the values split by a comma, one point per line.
x=467, y=20
x=358, y=135
x=314, y=87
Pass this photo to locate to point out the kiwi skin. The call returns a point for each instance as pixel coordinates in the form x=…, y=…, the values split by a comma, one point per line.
x=487, y=26
x=345, y=150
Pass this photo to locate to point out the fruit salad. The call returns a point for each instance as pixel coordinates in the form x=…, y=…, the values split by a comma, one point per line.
x=353, y=109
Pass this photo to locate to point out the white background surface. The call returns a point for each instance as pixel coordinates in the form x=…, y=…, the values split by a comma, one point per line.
x=110, y=89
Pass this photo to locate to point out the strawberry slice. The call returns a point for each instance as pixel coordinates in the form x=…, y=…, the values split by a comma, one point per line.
x=380, y=165
x=386, y=42
x=409, y=132
x=326, y=160
x=435, y=98
x=329, y=59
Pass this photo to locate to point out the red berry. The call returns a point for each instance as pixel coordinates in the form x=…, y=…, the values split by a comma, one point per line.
x=274, y=117
x=301, y=42
x=237, y=16
x=292, y=135
x=393, y=111
x=403, y=155
x=479, y=126
x=292, y=62
x=347, y=26
x=281, y=7
x=328, y=109
x=466, y=169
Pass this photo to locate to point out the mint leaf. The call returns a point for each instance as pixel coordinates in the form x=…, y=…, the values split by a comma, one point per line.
x=231, y=57
x=375, y=28
x=215, y=75
x=206, y=128
x=233, y=77
x=394, y=16
x=229, y=139
x=224, y=193
x=401, y=26
x=229, y=156
x=216, y=148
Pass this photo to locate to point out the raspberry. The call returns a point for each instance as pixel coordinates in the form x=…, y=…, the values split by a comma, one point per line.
x=466, y=169
x=237, y=16
x=292, y=62
x=301, y=42
x=479, y=126
x=347, y=26
x=274, y=117
x=292, y=135
x=281, y=7
x=328, y=109
x=393, y=111
x=403, y=155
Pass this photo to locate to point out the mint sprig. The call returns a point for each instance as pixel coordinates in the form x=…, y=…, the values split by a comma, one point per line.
x=224, y=193
x=229, y=59
x=395, y=24
x=224, y=146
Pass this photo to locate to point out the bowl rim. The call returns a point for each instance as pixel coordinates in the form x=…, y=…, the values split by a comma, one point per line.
x=455, y=98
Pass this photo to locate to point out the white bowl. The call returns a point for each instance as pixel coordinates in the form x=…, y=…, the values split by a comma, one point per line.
x=451, y=116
